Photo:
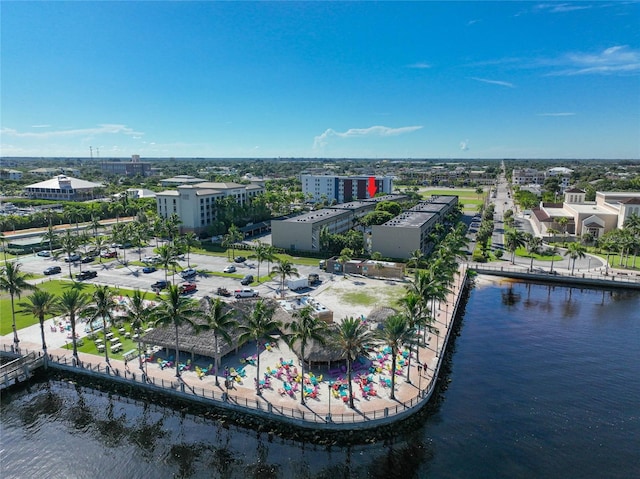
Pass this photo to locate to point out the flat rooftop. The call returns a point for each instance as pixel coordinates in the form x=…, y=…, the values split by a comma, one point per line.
x=318, y=215
x=410, y=219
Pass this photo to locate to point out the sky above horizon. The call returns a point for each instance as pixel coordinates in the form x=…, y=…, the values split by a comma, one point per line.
x=552, y=79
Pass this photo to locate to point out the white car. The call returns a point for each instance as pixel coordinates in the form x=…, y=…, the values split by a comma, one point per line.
x=230, y=269
x=245, y=293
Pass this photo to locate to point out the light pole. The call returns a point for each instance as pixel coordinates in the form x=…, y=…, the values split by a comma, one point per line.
x=446, y=314
x=329, y=391
x=419, y=379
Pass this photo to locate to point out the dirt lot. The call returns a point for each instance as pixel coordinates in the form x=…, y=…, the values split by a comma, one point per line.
x=356, y=296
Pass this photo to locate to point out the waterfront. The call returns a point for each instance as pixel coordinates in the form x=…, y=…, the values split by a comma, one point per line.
x=543, y=383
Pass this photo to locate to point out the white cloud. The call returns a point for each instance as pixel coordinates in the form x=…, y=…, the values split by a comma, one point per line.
x=464, y=145
x=616, y=59
x=494, y=82
x=40, y=126
x=563, y=113
x=81, y=132
x=419, y=65
x=384, y=131
x=561, y=7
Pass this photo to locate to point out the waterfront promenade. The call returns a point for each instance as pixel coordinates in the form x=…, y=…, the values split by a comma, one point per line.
x=325, y=411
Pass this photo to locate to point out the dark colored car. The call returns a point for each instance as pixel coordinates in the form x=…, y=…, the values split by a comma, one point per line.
x=87, y=259
x=160, y=285
x=52, y=270
x=148, y=269
x=240, y=259
x=109, y=254
x=86, y=275
x=188, y=288
x=247, y=280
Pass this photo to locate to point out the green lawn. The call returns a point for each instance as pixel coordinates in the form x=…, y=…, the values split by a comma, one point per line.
x=89, y=346
x=55, y=287
x=523, y=253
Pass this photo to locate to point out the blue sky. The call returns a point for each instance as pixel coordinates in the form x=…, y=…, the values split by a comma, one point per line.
x=322, y=79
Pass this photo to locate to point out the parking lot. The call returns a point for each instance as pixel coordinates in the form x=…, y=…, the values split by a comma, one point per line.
x=115, y=273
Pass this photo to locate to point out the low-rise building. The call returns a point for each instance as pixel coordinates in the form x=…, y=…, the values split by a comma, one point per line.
x=63, y=188
x=7, y=174
x=608, y=212
x=134, y=167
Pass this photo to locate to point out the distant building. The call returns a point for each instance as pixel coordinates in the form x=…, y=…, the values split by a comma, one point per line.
x=197, y=204
x=608, y=212
x=63, y=188
x=343, y=189
x=530, y=176
x=181, y=180
x=134, y=167
x=138, y=193
x=6, y=174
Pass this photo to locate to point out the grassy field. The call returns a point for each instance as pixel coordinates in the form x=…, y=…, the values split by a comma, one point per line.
x=467, y=196
x=523, y=253
x=55, y=287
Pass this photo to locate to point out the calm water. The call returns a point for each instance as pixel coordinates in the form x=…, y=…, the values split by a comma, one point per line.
x=543, y=383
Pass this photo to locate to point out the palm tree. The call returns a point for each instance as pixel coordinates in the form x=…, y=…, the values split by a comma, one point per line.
x=72, y=303
x=396, y=333
x=40, y=305
x=95, y=224
x=14, y=282
x=353, y=337
x=285, y=269
x=167, y=258
x=176, y=310
x=305, y=328
x=553, y=250
x=575, y=250
x=51, y=237
x=259, y=326
x=412, y=306
x=103, y=304
x=69, y=244
x=219, y=319
x=533, y=247
x=235, y=235
x=137, y=314
x=260, y=253
x=189, y=240
x=416, y=258
x=514, y=239
x=100, y=244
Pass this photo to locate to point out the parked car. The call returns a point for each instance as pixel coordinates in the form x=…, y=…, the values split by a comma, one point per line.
x=230, y=269
x=247, y=280
x=240, y=259
x=188, y=288
x=44, y=253
x=148, y=269
x=245, y=293
x=158, y=285
x=86, y=275
x=109, y=254
x=151, y=259
x=188, y=273
x=52, y=270
x=87, y=259
x=72, y=258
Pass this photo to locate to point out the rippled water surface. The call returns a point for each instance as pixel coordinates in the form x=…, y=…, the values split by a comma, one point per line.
x=543, y=382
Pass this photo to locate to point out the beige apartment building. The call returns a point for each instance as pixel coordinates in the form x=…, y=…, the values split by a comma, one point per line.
x=196, y=204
